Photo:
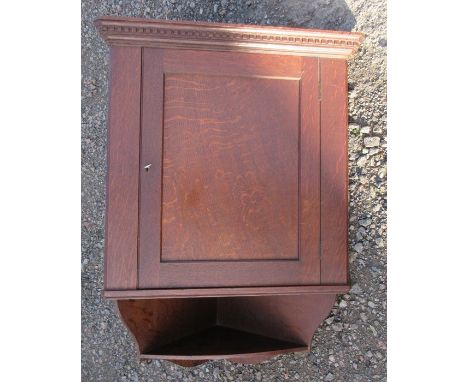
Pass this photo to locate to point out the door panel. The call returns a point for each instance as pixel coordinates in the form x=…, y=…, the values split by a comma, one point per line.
x=230, y=184
x=230, y=170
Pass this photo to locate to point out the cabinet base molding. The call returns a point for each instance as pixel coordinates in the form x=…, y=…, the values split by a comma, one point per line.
x=224, y=292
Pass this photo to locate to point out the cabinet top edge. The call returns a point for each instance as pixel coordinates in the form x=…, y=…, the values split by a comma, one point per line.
x=228, y=37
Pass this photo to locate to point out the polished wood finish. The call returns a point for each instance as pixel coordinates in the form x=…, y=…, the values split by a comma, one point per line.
x=150, y=178
x=225, y=292
x=289, y=318
x=122, y=169
x=334, y=172
x=226, y=219
x=309, y=171
x=158, y=322
x=220, y=342
x=228, y=37
x=239, y=203
x=243, y=329
x=221, y=164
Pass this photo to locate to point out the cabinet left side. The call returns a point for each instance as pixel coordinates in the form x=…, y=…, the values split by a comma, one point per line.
x=123, y=162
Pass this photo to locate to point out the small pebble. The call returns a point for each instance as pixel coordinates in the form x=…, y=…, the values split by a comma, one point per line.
x=365, y=222
x=337, y=327
x=358, y=247
x=355, y=289
x=372, y=141
x=365, y=130
x=361, y=162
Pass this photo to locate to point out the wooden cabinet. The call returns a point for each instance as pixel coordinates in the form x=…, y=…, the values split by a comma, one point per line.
x=227, y=185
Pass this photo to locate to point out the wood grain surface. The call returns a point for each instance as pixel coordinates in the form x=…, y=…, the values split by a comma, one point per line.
x=122, y=169
x=309, y=171
x=226, y=221
x=238, y=209
x=245, y=329
x=334, y=172
x=156, y=323
x=219, y=342
x=226, y=292
x=126, y=31
x=230, y=184
x=289, y=318
x=149, y=253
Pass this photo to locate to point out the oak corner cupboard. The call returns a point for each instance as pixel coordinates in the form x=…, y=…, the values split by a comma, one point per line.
x=226, y=220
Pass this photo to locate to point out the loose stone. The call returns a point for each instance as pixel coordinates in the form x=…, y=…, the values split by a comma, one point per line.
x=372, y=141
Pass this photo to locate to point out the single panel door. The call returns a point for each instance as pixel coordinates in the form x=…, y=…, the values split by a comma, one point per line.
x=230, y=170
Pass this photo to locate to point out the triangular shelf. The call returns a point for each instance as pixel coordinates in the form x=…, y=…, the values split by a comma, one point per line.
x=244, y=329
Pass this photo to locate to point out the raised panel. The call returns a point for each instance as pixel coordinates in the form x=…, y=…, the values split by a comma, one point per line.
x=232, y=197
x=230, y=168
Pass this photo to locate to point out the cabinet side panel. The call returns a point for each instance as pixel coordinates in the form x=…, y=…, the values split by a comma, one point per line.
x=123, y=164
x=289, y=318
x=334, y=172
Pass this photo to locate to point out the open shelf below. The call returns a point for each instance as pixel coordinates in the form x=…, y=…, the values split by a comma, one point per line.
x=247, y=329
x=220, y=342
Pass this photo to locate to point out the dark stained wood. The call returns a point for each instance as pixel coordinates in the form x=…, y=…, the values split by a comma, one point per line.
x=184, y=362
x=220, y=342
x=309, y=170
x=233, y=64
x=122, y=169
x=247, y=329
x=226, y=220
x=252, y=357
x=230, y=186
x=228, y=37
x=150, y=178
x=208, y=274
x=161, y=322
x=261, y=357
x=225, y=292
x=334, y=172
x=231, y=153
x=289, y=318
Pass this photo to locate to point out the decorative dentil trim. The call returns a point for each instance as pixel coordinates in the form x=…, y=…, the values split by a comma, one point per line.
x=228, y=37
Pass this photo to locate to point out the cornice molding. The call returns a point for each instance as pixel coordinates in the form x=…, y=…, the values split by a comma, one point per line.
x=228, y=37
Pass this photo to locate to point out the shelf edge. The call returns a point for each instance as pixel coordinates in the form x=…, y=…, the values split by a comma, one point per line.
x=225, y=292
x=209, y=357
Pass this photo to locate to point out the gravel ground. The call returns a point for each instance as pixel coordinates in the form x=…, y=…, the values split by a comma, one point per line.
x=351, y=344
